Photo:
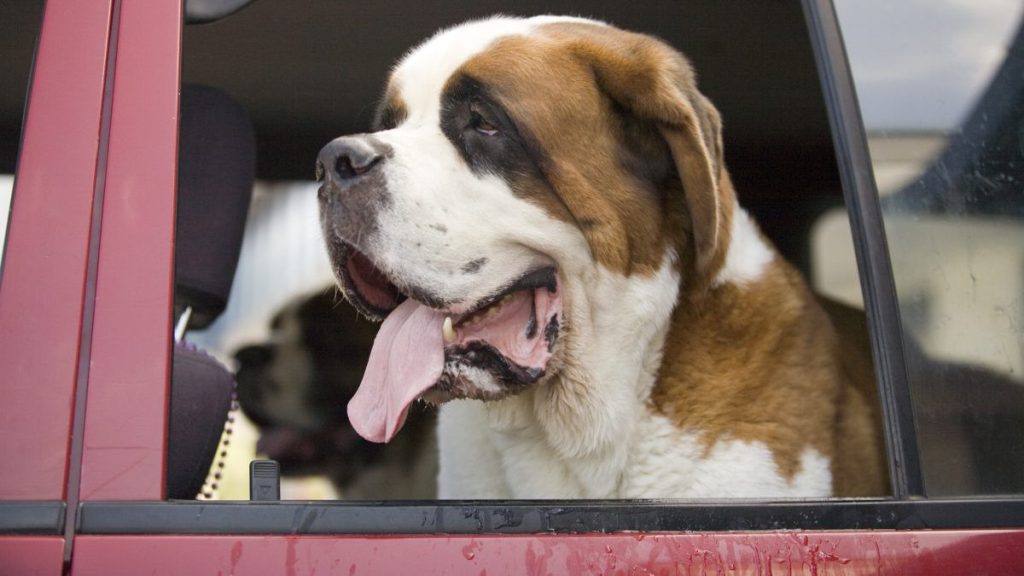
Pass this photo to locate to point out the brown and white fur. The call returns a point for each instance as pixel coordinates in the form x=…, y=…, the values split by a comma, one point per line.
x=690, y=360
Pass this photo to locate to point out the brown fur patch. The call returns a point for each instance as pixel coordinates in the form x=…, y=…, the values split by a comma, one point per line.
x=763, y=363
x=859, y=467
x=630, y=149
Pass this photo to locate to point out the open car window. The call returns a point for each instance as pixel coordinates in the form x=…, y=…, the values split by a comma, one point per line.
x=777, y=147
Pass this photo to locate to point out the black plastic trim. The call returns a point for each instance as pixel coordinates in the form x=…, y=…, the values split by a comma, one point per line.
x=575, y=517
x=32, y=518
x=870, y=245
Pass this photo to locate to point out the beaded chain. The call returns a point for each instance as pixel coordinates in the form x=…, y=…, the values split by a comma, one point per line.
x=211, y=485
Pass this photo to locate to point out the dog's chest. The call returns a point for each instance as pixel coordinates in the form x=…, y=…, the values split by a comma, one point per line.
x=652, y=459
x=655, y=460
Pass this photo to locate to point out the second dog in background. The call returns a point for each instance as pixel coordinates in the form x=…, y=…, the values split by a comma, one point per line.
x=296, y=386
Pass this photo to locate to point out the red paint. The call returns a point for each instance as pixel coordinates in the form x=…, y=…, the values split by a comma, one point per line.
x=47, y=248
x=764, y=553
x=31, y=555
x=126, y=411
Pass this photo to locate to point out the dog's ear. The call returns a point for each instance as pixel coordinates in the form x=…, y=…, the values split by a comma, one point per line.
x=655, y=83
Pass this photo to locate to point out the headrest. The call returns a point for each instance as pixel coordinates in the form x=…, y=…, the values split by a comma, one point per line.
x=203, y=11
x=216, y=170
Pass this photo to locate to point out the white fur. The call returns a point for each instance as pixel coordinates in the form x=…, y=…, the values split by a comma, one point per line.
x=748, y=253
x=482, y=379
x=672, y=463
x=442, y=217
x=421, y=74
x=469, y=462
x=662, y=462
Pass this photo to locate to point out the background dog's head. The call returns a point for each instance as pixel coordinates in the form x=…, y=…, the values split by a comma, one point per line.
x=534, y=187
x=295, y=388
x=304, y=375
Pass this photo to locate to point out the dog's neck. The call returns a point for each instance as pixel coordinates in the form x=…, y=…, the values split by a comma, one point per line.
x=585, y=419
x=586, y=414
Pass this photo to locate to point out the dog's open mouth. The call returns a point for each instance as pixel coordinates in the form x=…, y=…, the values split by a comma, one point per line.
x=493, y=348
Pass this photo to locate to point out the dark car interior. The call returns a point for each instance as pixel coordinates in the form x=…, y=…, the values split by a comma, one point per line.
x=308, y=71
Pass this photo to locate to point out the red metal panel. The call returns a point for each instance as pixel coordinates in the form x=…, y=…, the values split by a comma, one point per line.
x=763, y=553
x=31, y=555
x=47, y=249
x=126, y=409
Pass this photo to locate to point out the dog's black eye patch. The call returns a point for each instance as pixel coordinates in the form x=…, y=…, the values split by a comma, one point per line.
x=482, y=130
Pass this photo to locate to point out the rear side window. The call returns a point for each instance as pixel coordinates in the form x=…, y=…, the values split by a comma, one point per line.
x=942, y=97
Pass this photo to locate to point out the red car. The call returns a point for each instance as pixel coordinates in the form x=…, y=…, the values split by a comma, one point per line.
x=928, y=164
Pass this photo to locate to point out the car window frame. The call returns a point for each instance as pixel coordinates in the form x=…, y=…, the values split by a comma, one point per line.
x=136, y=506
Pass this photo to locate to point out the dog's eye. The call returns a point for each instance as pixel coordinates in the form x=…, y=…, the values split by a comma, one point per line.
x=478, y=123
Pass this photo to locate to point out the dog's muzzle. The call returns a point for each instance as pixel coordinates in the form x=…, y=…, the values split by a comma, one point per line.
x=353, y=188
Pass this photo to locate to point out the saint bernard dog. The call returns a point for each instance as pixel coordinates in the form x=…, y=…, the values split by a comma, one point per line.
x=544, y=223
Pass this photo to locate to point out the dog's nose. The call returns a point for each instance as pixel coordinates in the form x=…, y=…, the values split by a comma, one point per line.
x=349, y=157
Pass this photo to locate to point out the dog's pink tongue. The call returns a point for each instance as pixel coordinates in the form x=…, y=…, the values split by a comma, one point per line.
x=407, y=358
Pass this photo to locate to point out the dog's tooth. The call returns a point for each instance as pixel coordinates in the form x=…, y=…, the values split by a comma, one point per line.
x=447, y=331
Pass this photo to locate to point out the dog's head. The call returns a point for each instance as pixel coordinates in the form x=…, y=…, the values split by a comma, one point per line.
x=532, y=185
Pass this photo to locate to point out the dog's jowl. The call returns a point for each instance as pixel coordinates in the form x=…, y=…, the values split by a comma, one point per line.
x=544, y=222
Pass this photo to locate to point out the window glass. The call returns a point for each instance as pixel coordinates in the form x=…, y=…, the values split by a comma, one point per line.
x=941, y=89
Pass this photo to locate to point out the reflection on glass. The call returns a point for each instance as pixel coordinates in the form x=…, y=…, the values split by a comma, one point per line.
x=941, y=86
